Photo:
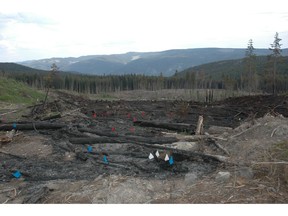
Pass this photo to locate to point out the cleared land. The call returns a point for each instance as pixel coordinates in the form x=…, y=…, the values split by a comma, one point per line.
x=77, y=150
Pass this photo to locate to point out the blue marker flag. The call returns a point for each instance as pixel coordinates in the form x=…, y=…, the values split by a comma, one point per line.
x=105, y=159
x=89, y=148
x=17, y=174
x=14, y=125
x=171, y=161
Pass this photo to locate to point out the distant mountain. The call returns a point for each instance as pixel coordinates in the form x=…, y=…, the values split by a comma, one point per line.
x=148, y=63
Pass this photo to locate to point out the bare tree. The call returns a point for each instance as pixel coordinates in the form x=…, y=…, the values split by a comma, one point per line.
x=48, y=80
x=250, y=61
x=276, y=55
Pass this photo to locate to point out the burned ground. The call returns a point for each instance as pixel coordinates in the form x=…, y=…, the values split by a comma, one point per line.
x=98, y=152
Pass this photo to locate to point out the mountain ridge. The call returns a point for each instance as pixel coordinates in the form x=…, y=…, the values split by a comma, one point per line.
x=148, y=63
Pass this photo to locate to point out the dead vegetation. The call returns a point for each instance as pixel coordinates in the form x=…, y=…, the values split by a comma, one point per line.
x=76, y=150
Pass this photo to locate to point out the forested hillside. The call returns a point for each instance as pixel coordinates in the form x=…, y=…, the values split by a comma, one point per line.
x=234, y=74
x=229, y=74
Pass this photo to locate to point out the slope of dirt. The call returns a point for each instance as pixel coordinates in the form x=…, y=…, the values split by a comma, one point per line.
x=54, y=170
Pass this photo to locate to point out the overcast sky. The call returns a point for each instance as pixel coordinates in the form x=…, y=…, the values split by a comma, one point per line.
x=35, y=29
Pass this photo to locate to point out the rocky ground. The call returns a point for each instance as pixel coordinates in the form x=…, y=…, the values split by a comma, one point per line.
x=99, y=154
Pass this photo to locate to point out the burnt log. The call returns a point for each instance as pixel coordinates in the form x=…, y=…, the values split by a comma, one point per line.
x=179, y=127
x=31, y=126
x=187, y=154
x=94, y=140
x=98, y=132
x=12, y=155
x=151, y=140
x=123, y=139
x=50, y=116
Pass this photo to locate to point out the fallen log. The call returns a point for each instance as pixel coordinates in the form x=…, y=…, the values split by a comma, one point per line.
x=112, y=164
x=187, y=154
x=123, y=153
x=70, y=112
x=269, y=162
x=12, y=155
x=3, y=114
x=98, y=132
x=182, y=137
x=211, y=141
x=84, y=157
x=94, y=140
x=31, y=126
x=123, y=139
x=180, y=127
x=151, y=140
x=50, y=116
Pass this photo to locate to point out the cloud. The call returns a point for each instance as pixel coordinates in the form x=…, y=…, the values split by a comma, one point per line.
x=26, y=18
x=36, y=29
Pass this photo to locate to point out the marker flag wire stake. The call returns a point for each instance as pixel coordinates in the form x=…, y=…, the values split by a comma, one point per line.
x=89, y=148
x=17, y=174
x=113, y=129
x=14, y=125
x=105, y=159
x=157, y=154
x=171, y=161
x=151, y=156
x=166, y=158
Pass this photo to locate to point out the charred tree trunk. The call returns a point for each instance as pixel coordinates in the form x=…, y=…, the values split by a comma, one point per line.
x=180, y=127
x=122, y=139
x=31, y=126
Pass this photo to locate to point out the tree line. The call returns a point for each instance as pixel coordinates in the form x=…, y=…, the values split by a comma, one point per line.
x=255, y=73
x=90, y=84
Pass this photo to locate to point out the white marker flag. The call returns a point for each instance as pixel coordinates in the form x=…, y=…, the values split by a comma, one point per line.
x=166, y=158
x=157, y=154
x=151, y=156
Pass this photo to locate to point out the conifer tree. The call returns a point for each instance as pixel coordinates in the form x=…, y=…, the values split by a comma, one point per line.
x=275, y=56
x=250, y=63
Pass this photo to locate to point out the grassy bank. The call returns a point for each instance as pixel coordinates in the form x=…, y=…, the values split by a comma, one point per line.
x=14, y=92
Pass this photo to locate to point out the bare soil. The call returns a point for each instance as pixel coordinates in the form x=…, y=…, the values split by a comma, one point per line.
x=252, y=129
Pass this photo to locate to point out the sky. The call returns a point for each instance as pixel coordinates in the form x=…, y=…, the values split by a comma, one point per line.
x=37, y=29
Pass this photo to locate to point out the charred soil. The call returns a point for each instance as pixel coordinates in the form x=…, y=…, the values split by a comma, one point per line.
x=76, y=150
